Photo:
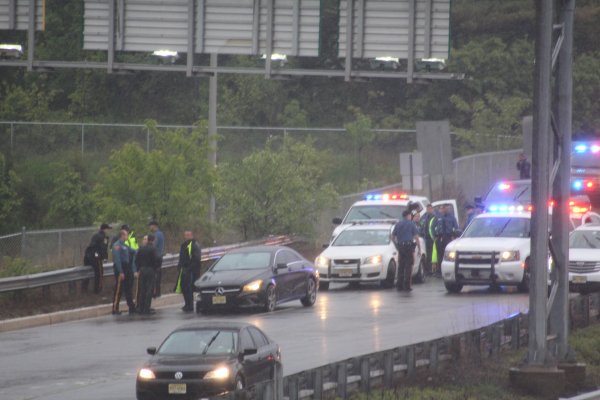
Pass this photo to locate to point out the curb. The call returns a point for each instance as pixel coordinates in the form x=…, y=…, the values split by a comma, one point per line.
x=77, y=314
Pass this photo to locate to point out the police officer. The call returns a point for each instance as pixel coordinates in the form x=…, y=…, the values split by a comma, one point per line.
x=95, y=254
x=427, y=232
x=147, y=261
x=189, y=268
x=131, y=241
x=470, y=214
x=125, y=272
x=524, y=167
x=446, y=229
x=159, y=244
x=405, y=236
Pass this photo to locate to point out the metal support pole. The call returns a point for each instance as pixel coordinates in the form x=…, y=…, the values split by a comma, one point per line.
x=147, y=140
x=111, y=36
x=559, y=313
x=31, y=35
x=12, y=137
x=82, y=140
x=349, y=39
x=412, y=12
x=212, y=129
x=537, y=350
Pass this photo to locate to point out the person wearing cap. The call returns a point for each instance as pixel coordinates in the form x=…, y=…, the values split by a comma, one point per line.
x=125, y=273
x=427, y=225
x=469, y=214
x=159, y=244
x=405, y=236
x=146, y=261
x=94, y=256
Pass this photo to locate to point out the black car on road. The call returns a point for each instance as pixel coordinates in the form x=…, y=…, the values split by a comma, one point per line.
x=257, y=277
x=208, y=359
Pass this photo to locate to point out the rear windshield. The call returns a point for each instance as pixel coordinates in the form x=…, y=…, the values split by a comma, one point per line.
x=509, y=192
x=382, y=211
x=508, y=227
x=371, y=237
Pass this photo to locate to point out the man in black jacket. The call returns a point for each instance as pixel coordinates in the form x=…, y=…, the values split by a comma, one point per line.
x=95, y=254
x=189, y=268
x=147, y=261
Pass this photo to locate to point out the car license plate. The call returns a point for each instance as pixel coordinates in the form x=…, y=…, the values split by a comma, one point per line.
x=177, y=388
x=475, y=273
x=219, y=300
x=579, y=279
x=344, y=272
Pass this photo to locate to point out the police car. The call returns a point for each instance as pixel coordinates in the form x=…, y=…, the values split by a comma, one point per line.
x=493, y=250
x=384, y=207
x=363, y=252
x=584, y=257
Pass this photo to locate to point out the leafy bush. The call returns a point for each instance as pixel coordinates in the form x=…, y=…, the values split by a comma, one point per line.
x=16, y=267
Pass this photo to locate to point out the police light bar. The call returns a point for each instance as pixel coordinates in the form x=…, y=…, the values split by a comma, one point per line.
x=386, y=196
x=581, y=148
x=581, y=184
x=506, y=208
x=504, y=186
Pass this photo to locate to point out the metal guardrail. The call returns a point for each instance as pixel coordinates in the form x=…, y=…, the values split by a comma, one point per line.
x=83, y=272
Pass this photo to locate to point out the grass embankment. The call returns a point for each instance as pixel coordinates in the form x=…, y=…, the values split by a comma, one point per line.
x=488, y=378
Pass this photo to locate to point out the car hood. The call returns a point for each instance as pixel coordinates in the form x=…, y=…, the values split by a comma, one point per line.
x=584, y=255
x=355, y=251
x=488, y=244
x=230, y=278
x=198, y=363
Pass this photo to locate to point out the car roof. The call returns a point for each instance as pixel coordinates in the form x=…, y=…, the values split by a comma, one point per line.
x=522, y=214
x=366, y=225
x=215, y=324
x=261, y=248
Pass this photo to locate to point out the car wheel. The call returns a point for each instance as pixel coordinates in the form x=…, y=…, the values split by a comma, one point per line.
x=311, y=293
x=239, y=383
x=198, y=307
x=323, y=285
x=270, y=299
x=453, y=287
x=420, y=276
x=390, y=276
x=523, y=287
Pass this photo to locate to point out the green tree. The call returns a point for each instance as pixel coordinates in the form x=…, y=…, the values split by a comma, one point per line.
x=9, y=199
x=277, y=190
x=361, y=133
x=172, y=183
x=293, y=115
x=70, y=202
x=586, y=91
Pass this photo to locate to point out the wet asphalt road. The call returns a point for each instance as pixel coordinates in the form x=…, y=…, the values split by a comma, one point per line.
x=97, y=359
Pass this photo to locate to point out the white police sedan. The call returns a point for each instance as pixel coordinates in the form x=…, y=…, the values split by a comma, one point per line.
x=363, y=253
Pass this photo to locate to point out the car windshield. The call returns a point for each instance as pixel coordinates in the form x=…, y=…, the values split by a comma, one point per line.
x=241, y=261
x=196, y=342
x=383, y=211
x=585, y=239
x=509, y=192
x=363, y=237
x=508, y=227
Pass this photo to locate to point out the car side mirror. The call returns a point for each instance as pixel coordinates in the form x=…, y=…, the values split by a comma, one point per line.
x=325, y=245
x=478, y=200
x=282, y=266
x=337, y=221
x=151, y=350
x=246, y=353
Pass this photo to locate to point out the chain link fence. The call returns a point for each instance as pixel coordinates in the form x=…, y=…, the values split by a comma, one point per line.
x=47, y=248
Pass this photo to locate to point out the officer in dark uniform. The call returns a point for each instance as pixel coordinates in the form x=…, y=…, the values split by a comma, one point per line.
x=147, y=261
x=95, y=254
x=405, y=236
x=189, y=268
x=427, y=232
x=447, y=227
x=159, y=244
x=125, y=272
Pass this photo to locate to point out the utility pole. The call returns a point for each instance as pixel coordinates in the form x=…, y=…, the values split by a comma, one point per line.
x=212, y=130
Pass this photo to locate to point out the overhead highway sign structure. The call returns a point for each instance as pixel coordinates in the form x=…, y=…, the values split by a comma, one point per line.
x=14, y=14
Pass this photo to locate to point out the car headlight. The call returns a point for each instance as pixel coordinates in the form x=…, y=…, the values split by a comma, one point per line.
x=219, y=373
x=450, y=255
x=253, y=286
x=322, y=262
x=373, y=260
x=510, y=256
x=146, y=374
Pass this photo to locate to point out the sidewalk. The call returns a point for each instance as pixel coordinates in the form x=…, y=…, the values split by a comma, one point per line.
x=78, y=314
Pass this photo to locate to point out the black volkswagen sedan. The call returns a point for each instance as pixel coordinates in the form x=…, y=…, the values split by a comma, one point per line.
x=257, y=277
x=207, y=359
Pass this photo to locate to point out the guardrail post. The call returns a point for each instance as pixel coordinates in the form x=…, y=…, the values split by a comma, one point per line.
x=59, y=244
x=586, y=310
x=433, y=356
x=23, y=234
x=365, y=374
x=293, y=388
x=342, y=380
x=411, y=361
x=388, y=369
x=318, y=384
x=515, y=335
x=278, y=384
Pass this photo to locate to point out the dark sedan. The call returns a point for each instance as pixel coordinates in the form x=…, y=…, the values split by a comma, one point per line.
x=208, y=359
x=257, y=277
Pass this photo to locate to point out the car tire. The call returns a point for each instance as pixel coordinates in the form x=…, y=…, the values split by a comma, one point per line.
x=323, y=286
x=311, y=293
x=523, y=287
x=198, y=307
x=390, y=275
x=270, y=299
x=420, y=276
x=453, y=287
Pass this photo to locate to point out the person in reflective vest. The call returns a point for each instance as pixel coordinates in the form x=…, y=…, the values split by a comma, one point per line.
x=188, y=268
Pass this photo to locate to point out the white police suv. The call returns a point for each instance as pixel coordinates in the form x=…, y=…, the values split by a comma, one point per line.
x=493, y=250
x=364, y=252
x=584, y=258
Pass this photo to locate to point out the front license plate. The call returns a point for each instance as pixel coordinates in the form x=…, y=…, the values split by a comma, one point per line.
x=177, y=388
x=579, y=279
x=219, y=300
x=475, y=273
x=344, y=272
